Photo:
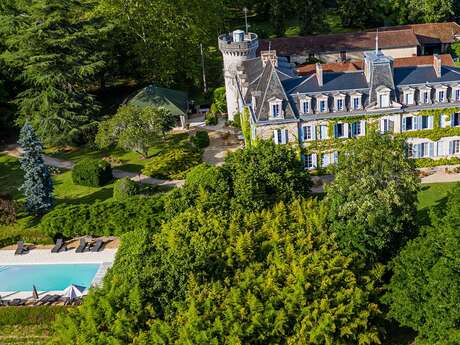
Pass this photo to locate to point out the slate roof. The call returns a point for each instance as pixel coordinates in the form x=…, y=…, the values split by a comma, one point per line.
x=331, y=82
x=425, y=74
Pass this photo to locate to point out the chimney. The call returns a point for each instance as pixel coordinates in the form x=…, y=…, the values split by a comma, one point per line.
x=319, y=74
x=437, y=64
x=269, y=55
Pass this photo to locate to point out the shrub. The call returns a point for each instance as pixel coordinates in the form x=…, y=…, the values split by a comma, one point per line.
x=124, y=188
x=92, y=173
x=236, y=121
x=201, y=139
x=173, y=164
x=428, y=162
x=7, y=209
x=103, y=218
x=211, y=117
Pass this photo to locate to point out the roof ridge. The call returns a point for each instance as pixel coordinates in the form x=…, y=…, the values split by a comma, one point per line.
x=304, y=81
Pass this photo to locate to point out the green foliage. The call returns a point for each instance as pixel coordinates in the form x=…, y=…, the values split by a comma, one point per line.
x=433, y=134
x=125, y=188
x=38, y=185
x=455, y=49
x=373, y=199
x=201, y=139
x=246, y=126
x=220, y=100
x=428, y=162
x=92, y=172
x=236, y=120
x=103, y=218
x=421, y=11
x=424, y=291
x=270, y=277
x=29, y=316
x=174, y=163
x=7, y=209
x=264, y=174
x=211, y=116
x=135, y=128
x=358, y=14
x=55, y=45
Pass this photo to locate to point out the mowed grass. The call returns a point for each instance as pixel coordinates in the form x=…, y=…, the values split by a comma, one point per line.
x=432, y=194
x=65, y=192
x=122, y=159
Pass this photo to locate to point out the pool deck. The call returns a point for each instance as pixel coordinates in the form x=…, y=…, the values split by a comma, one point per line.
x=44, y=256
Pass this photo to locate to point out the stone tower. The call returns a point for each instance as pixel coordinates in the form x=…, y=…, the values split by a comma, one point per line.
x=236, y=47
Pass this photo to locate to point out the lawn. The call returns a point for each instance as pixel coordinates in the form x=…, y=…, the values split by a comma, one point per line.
x=121, y=159
x=432, y=194
x=65, y=191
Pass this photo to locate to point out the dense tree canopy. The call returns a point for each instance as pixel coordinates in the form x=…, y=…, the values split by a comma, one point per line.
x=373, y=199
x=424, y=292
x=274, y=277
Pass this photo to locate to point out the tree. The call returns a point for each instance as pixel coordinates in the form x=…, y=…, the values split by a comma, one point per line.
x=424, y=292
x=56, y=48
x=373, y=200
x=422, y=11
x=358, y=14
x=135, y=128
x=264, y=174
x=272, y=277
x=311, y=15
x=38, y=185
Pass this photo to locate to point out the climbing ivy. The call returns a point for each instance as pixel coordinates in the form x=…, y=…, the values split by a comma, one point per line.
x=432, y=134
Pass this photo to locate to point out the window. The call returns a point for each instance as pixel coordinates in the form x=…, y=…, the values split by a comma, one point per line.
x=325, y=160
x=455, y=146
x=307, y=133
x=339, y=130
x=322, y=106
x=408, y=123
x=386, y=126
x=455, y=120
x=323, y=132
x=339, y=104
x=276, y=109
x=356, y=128
x=457, y=94
x=408, y=98
x=355, y=103
x=441, y=95
x=426, y=97
x=384, y=100
x=308, y=161
x=423, y=150
x=410, y=151
x=305, y=107
x=424, y=122
x=280, y=136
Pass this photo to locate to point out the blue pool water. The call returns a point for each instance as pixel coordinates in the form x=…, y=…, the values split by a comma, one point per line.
x=46, y=277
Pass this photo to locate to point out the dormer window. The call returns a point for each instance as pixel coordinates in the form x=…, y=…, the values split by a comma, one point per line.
x=276, y=109
x=383, y=96
x=322, y=104
x=441, y=94
x=456, y=95
x=339, y=102
x=408, y=97
x=305, y=105
x=426, y=97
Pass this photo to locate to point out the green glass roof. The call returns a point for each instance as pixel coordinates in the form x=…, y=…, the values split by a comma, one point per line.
x=175, y=101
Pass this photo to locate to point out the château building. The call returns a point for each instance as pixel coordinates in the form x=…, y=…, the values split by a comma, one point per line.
x=322, y=110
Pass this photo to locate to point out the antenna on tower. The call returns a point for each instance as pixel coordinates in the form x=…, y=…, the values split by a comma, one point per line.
x=245, y=10
x=269, y=46
x=377, y=42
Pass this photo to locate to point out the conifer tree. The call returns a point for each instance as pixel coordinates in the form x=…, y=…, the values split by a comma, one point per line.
x=57, y=50
x=37, y=186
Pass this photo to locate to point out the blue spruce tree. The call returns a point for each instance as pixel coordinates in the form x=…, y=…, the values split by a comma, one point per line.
x=38, y=185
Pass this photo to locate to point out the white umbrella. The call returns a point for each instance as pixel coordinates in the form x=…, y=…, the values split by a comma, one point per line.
x=73, y=291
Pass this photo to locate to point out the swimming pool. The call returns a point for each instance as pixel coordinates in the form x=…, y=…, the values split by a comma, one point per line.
x=49, y=277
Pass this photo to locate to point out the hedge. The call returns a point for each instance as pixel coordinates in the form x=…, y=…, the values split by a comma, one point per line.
x=109, y=218
x=92, y=173
x=201, y=139
x=428, y=162
x=125, y=188
x=29, y=315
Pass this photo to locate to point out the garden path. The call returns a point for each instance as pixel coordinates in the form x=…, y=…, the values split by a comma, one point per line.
x=13, y=150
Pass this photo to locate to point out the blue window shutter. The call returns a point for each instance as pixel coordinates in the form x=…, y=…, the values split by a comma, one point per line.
x=353, y=129
x=415, y=149
x=335, y=157
x=431, y=149
x=363, y=127
x=452, y=120
x=302, y=133
x=404, y=123
x=451, y=147
x=314, y=160
x=335, y=131
x=442, y=120
x=275, y=136
x=313, y=132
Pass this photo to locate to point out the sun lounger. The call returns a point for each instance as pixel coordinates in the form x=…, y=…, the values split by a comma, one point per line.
x=21, y=249
x=81, y=248
x=53, y=299
x=43, y=300
x=97, y=246
x=58, y=246
x=16, y=302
